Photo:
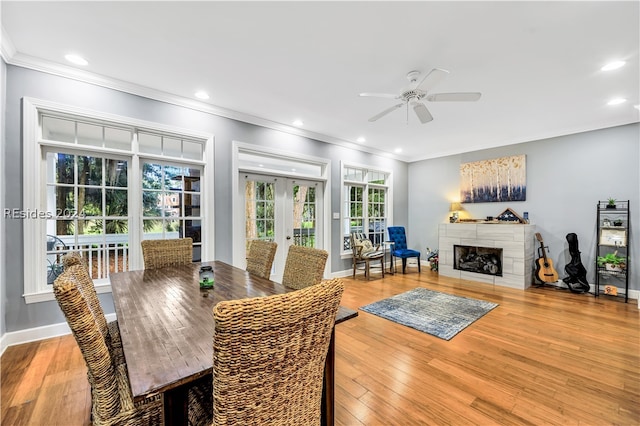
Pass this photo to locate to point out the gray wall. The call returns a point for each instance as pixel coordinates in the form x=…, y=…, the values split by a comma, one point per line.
x=566, y=176
x=3, y=179
x=28, y=83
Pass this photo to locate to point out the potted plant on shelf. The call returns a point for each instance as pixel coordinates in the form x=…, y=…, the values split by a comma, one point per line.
x=612, y=262
x=612, y=203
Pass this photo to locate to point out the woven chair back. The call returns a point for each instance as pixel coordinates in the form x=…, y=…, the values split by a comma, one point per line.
x=73, y=262
x=162, y=253
x=109, y=330
x=92, y=343
x=269, y=356
x=304, y=267
x=260, y=257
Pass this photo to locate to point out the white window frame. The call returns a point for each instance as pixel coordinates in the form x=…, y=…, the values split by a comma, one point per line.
x=34, y=194
x=366, y=168
x=238, y=192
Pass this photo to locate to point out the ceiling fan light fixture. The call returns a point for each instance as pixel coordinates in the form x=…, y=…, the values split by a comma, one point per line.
x=613, y=65
x=414, y=95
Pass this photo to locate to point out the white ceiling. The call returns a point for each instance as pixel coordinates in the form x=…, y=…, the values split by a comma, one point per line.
x=537, y=64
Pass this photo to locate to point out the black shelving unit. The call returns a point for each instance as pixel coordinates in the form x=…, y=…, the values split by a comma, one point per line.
x=612, y=237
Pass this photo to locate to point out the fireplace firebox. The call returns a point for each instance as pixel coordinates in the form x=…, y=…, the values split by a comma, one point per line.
x=481, y=260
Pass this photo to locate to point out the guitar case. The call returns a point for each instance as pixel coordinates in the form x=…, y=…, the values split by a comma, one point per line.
x=576, y=278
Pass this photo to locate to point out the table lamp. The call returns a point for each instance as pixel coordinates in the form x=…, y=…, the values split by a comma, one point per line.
x=454, y=209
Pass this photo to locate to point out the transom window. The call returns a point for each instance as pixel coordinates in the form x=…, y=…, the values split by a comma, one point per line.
x=365, y=203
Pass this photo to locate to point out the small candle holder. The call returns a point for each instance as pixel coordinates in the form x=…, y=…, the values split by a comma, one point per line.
x=206, y=277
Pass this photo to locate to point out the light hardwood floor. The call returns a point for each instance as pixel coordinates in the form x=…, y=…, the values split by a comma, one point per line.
x=543, y=356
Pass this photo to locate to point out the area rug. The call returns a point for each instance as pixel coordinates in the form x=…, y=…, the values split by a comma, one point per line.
x=439, y=314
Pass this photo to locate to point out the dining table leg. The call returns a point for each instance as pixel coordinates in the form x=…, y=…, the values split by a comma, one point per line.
x=327, y=406
x=176, y=406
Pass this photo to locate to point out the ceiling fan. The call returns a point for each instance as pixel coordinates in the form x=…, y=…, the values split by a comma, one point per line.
x=418, y=92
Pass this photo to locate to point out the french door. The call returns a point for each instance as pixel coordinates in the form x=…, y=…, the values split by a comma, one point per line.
x=287, y=211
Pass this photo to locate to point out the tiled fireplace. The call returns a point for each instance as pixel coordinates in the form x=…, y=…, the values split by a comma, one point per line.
x=487, y=245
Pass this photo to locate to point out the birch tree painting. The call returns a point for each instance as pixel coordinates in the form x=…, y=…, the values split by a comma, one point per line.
x=496, y=180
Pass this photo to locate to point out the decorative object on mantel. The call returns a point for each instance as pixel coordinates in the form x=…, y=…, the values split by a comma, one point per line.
x=510, y=216
x=454, y=208
x=498, y=180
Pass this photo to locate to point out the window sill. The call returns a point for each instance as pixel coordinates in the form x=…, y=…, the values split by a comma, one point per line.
x=47, y=296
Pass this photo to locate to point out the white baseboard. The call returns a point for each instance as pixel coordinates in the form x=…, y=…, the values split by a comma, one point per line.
x=38, y=333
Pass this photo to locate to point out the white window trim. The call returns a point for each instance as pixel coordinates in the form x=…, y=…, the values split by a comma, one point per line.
x=389, y=186
x=33, y=171
x=237, y=222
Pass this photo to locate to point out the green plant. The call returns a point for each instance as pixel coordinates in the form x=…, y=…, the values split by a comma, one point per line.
x=611, y=258
x=612, y=202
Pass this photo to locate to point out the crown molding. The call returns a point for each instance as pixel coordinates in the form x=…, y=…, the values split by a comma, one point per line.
x=12, y=57
x=7, y=49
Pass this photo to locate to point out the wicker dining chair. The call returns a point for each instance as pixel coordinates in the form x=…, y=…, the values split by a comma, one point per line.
x=260, y=256
x=161, y=253
x=111, y=400
x=109, y=330
x=304, y=267
x=269, y=356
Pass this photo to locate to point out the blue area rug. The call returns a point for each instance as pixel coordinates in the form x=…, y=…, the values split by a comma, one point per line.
x=439, y=314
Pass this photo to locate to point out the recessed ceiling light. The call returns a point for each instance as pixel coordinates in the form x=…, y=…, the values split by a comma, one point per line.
x=397, y=150
x=361, y=140
x=298, y=123
x=616, y=101
x=201, y=95
x=75, y=59
x=613, y=65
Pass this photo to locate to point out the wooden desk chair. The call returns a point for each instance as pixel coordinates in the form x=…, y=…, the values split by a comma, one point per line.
x=161, y=253
x=269, y=356
x=365, y=252
x=109, y=330
x=260, y=255
x=111, y=401
x=304, y=267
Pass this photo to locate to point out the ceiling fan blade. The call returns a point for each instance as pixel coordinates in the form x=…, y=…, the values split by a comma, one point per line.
x=385, y=112
x=380, y=95
x=454, y=97
x=422, y=112
x=430, y=80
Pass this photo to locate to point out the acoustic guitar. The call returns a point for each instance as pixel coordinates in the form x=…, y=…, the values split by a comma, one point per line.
x=544, y=266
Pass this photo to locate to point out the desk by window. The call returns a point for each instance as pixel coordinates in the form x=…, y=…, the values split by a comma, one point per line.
x=166, y=326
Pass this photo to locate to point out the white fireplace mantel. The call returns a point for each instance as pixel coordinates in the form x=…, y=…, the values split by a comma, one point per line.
x=517, y=242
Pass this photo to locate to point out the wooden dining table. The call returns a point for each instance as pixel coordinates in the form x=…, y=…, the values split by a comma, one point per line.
x=166, y=325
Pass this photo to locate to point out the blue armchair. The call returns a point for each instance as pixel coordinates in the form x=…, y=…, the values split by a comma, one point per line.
x=399, y=239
